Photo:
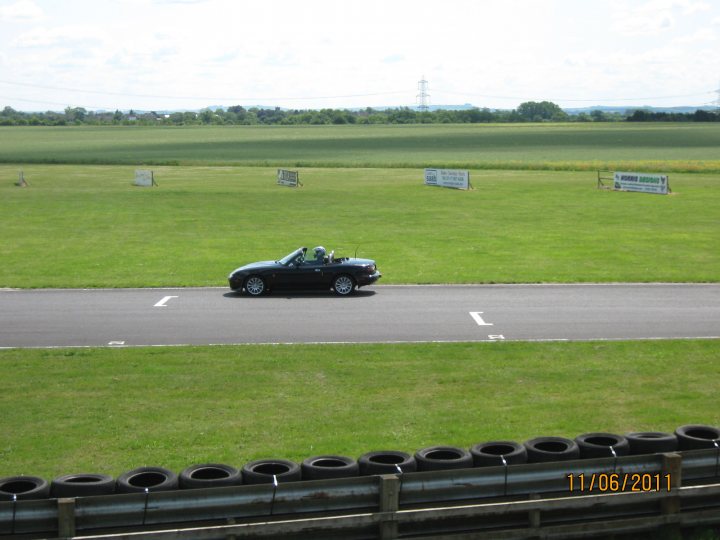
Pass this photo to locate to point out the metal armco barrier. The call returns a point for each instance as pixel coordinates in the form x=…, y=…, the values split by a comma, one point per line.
x=392, y=505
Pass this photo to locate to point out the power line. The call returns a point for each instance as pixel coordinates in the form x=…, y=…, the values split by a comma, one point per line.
x=205, y=98
x=39, y=102
x=524, y=98
x=422, y=97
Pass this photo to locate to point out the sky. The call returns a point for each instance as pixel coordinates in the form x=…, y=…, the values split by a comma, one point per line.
x=309, y=54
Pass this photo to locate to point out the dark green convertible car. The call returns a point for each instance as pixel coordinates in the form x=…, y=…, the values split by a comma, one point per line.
x=295, y=271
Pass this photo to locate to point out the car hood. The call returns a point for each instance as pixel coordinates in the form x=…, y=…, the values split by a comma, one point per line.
x=255, y=265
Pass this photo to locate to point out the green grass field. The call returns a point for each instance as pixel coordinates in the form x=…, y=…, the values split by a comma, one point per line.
x=671, y=147
x=111, y=410
x=82, y=224
x=86, y=226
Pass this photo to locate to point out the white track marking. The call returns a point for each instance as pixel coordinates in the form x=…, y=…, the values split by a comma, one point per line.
x=478, y=319
x=162, y=303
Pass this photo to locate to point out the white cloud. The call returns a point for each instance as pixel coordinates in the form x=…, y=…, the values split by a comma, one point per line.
x=702, y=35
x=23, y=10
x=63, y=36
x=654, y=16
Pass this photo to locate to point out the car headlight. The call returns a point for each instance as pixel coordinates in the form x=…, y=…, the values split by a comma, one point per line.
x=371, y=269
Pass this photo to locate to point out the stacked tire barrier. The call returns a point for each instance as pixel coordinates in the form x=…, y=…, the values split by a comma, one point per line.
x=435, y=458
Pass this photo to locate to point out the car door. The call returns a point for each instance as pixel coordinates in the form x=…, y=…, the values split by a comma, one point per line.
x=308, y=275
x=298, y=275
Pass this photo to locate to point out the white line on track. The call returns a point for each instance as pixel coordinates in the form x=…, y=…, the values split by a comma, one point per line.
x=163, y=302
x=478, y=319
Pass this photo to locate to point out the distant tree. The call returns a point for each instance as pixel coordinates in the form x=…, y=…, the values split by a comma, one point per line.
x=534, y=111
x=706, y=116
x=75, y=115
x=206, y=116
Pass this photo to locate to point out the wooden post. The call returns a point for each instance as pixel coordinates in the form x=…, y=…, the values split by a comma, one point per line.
x=534, y=515
x=672, y=466
x=389, y=504
x=66, y=518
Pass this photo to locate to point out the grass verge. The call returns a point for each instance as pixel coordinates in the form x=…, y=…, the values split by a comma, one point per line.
x=109, y=410
x=86, y=226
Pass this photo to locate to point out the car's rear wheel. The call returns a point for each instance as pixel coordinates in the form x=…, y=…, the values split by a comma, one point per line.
x=343, y=285
x=255, y=285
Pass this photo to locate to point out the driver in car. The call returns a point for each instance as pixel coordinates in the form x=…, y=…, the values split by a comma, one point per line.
x=319, y=256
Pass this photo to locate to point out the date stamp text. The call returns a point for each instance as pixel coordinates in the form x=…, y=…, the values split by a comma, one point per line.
x=618, y=482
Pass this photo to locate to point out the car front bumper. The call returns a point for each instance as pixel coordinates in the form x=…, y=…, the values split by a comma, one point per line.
x=368, y=279
x=236, y=282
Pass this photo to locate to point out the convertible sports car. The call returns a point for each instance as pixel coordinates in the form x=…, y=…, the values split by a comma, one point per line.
x=295, y=272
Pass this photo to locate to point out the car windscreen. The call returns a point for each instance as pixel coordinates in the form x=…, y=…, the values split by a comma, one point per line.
x=289, y=257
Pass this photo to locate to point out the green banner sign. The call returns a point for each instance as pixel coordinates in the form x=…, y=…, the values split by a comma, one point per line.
x=642, y=182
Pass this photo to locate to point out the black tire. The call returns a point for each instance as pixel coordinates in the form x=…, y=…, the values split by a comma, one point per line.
x=82, y=485
x=23, y=488
x=320, y=467
x=150, y=478
x=386, y=462
x=255, y=286
x=697, y=437
x=543, y=449
x=209, y=475
x=597, y=445
x=261, y=471
x=651, y=442
x=439, y=458
x=488, y=454
x=343, y=285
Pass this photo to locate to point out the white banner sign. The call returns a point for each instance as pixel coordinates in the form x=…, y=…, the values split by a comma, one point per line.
x=288, y=178
x=447, y=178
x=642, y=182
x=144, y=178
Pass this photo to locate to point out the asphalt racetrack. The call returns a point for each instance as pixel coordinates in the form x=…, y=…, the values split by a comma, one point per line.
x=204, y=316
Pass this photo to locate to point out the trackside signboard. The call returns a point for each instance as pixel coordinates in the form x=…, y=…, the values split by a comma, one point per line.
x=144, y=178
x=288, y=178
x=447, y=178
x=642, y=182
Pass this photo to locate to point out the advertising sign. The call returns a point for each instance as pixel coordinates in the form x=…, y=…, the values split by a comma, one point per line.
x=144, y=178
x=288, y=178
x=447, y=178
x=642, y=182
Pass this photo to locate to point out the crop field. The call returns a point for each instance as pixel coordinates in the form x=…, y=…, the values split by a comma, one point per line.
x=619, y=146
x=535, y=216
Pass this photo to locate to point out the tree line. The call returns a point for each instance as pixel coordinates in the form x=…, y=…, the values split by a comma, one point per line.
x=529, y=111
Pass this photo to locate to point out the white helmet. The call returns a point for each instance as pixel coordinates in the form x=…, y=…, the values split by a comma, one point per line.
x=319, y=252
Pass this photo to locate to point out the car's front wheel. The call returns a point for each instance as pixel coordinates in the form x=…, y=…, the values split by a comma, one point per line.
x=255, y=285
x=343, y=285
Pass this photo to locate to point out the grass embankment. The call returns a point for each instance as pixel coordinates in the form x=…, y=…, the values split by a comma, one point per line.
x=109, y=410
x=672, y=147
x=86, y=226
